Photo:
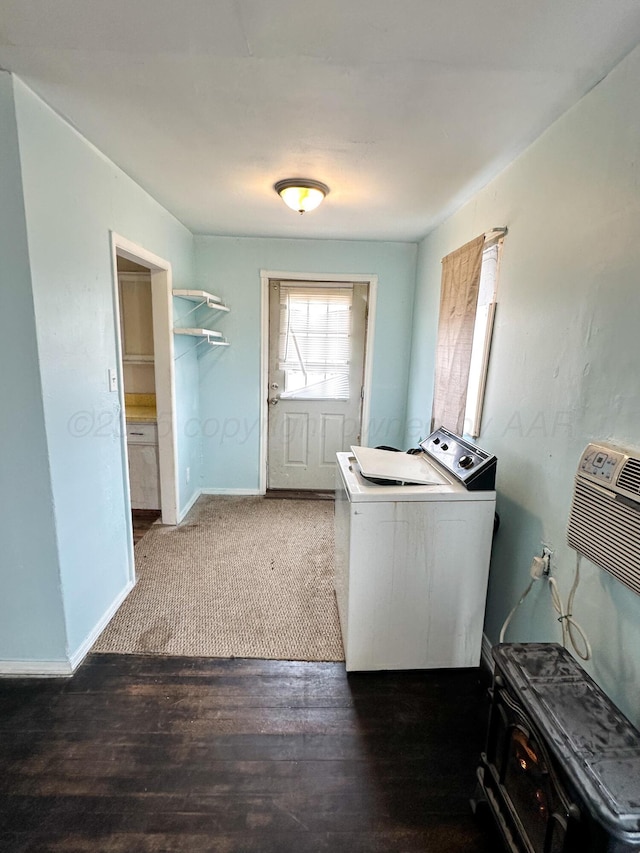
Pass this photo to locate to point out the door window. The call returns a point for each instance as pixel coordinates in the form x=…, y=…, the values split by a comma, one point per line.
x=315, y=342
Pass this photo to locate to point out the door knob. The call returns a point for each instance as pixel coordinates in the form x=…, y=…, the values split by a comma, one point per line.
x=274, y=401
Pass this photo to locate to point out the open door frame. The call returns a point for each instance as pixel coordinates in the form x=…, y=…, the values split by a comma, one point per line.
x=265, y=276
x=162, y=309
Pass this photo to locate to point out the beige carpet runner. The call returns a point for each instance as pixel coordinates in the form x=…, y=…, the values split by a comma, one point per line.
x=240, y=577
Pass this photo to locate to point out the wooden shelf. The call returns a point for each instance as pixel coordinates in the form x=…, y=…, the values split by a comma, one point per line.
x=138, y=359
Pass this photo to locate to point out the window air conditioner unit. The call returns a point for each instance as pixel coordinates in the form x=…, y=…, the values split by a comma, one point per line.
x=604, y=524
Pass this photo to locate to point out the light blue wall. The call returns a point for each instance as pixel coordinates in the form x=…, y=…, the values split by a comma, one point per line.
x=230, y=378
x=70, y=197
x=31, y=612
x=73, y=198
x=565, y=361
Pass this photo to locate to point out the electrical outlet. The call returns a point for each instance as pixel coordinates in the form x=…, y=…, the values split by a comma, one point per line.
x=537, y=569
x=541, y=565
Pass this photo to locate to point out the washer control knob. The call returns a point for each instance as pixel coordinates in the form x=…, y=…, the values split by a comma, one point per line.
x=436, y=441
x=465, y=461
x=445, y=446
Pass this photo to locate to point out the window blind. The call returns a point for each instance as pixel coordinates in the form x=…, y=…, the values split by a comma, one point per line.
x=315, y=341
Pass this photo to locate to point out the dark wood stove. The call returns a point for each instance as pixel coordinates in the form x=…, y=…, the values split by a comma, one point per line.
x=561, y=771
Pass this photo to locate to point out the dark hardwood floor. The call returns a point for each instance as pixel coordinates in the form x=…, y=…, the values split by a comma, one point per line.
x=142, y=520
x=149, y=754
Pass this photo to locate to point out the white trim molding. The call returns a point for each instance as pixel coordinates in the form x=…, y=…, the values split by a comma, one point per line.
x=80, y=653
x=63, y=668
x=247, y=492
x=213, y=491
x=189, y=505
x=162, y=307
x=280, y=275
x=35, y=669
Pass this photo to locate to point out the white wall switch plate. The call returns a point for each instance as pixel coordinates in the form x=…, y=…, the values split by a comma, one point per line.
x=113, y=379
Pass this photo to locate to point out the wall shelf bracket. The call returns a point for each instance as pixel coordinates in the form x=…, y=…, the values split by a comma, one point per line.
x=215, y=339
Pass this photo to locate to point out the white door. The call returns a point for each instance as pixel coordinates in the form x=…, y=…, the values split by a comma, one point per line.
x=316, y=369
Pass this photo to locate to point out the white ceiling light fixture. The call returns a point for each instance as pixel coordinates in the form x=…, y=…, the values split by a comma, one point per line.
x=301, y=194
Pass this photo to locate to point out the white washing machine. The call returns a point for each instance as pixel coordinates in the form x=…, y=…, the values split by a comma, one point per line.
x=412, y=554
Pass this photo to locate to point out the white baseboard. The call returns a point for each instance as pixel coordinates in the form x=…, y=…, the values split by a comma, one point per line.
x=183, y=512
x=80, y=654
x=231, y=492
x=63, y=668
x=486, y=658
x=35, y=669
x=248, y=492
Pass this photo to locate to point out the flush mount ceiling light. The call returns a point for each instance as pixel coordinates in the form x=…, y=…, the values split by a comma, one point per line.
x=301, y=194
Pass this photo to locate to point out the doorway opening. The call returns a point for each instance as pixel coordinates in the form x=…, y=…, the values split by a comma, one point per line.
x=146, y=383
x=317, y=340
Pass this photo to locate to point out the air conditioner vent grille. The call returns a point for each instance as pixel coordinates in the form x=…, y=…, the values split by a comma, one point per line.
x=607, y=531
x=629, y=478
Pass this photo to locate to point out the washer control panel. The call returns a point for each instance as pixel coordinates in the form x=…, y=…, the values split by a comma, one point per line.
x=473, y=467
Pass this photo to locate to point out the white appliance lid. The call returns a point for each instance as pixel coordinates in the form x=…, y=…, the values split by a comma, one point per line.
x=388, y=465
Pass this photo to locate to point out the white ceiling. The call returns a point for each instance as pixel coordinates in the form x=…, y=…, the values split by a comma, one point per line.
x=403, y=107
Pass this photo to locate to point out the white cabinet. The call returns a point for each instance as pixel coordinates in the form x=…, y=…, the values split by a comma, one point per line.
x=142, y=432
x=144, y=469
